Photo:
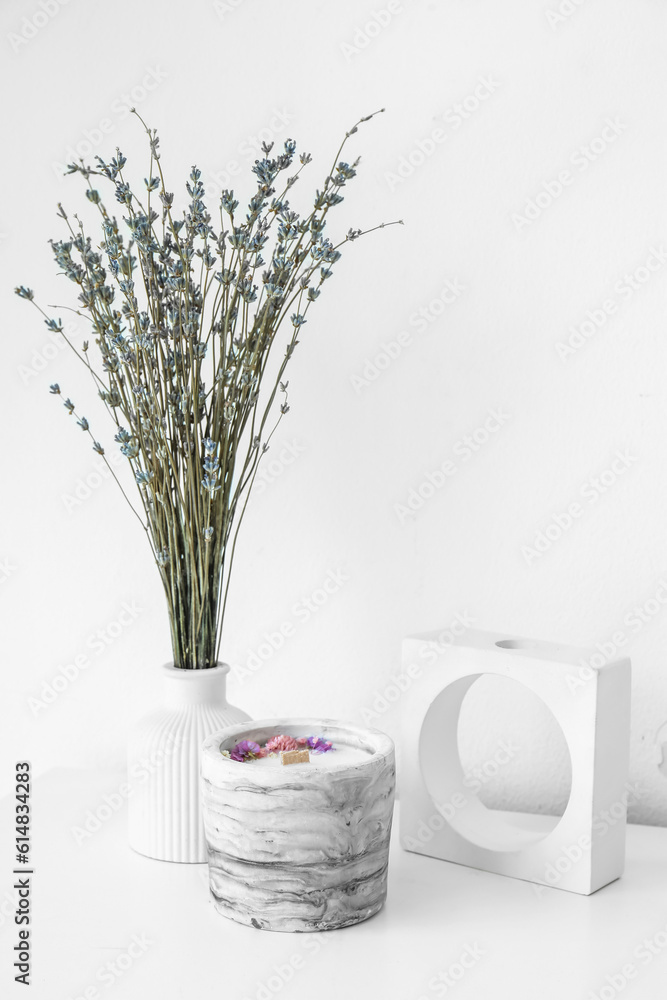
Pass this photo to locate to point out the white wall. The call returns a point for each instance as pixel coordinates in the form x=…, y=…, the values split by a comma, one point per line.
x=219, y=76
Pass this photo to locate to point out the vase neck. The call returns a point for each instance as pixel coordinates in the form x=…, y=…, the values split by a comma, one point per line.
x=194, y=687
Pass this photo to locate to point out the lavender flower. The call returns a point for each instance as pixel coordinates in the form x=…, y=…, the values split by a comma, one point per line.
x=164, y=330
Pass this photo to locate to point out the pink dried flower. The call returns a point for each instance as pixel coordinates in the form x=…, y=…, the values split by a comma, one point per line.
x=278, y=743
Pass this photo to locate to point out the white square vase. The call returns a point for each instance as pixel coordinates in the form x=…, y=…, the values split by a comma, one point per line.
x=442, y=818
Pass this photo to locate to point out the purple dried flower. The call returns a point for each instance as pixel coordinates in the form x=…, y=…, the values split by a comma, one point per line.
x=318, y=745
x=246, y=750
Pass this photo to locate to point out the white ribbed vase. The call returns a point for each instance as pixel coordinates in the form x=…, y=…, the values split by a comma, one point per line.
x=164, y=805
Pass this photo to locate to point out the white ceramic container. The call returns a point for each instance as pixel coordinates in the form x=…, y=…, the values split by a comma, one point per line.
x=164, y=806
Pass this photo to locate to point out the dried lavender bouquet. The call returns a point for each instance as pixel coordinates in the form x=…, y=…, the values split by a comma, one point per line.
x=185, y=316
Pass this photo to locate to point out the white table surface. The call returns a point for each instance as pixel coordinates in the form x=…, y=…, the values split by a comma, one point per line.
x=524, y=942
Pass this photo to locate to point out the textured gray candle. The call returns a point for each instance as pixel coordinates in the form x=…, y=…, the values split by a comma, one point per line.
x=299, y=848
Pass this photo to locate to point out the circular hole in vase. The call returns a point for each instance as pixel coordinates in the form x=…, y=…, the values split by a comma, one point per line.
x=495, y=762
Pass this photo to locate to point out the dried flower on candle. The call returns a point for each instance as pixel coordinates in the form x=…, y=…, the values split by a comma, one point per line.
x=278, y=743
x=245, y=750
x=318, y=745
x=249, y=750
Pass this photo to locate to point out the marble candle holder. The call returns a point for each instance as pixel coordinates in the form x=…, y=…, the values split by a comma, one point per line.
x=298, y=847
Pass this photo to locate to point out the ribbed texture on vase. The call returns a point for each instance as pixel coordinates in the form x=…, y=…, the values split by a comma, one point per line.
x=164, y=805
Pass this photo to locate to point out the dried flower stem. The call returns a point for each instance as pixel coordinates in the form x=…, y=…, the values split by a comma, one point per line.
x=165, y=325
